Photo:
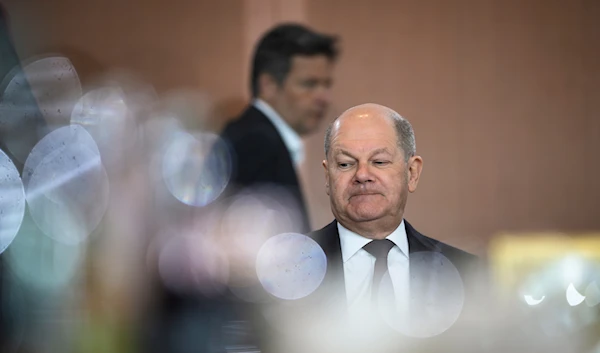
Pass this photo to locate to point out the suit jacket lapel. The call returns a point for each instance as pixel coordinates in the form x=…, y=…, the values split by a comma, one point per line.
x=333, y=287
x=418, y=242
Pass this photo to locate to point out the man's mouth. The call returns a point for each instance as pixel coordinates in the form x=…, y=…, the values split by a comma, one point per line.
x=364, y=194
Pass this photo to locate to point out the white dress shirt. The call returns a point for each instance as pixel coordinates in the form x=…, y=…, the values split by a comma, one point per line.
x=290, y=138
x=359, y=266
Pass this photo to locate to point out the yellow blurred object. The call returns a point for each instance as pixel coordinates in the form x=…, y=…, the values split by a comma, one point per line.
x=514, y=256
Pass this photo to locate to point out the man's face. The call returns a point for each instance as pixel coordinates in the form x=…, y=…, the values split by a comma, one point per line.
x=367, y=178
x=304, y=96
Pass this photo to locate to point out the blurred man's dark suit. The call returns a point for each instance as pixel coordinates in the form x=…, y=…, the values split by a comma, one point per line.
x=261, y=158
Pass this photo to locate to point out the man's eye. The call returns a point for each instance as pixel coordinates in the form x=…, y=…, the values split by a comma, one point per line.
x=381, y=162
x=343, y=165
x=309, y=83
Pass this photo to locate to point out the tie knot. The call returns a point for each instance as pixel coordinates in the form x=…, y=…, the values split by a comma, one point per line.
x=379, y=248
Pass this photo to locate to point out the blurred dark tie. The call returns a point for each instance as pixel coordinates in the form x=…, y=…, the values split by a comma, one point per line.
x=380, y=249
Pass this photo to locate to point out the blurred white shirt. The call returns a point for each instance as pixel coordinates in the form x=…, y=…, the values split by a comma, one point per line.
x=359, y=266
x=290, y=138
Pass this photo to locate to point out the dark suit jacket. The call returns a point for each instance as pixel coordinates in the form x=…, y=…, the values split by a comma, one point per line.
x=329, y=240
x=260, y=158
x=330, y=297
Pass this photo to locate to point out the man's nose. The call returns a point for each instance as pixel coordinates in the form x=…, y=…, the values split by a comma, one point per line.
x=363, y=174
x=323, y=95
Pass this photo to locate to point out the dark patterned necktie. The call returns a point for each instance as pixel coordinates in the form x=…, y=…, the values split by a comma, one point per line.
x=380, y=249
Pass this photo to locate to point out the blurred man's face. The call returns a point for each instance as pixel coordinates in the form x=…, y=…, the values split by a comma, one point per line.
x=303, y=98
x=367, y=177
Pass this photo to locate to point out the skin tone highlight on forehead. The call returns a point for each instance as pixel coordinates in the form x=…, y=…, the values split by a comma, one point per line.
x=364, y=115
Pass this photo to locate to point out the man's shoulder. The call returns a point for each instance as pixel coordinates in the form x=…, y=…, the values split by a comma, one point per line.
x=327, y=230
x=472, y=268
x=327, y=237
x=258, y=154
x=453, y=251
x=251, y=128
x=250, y=120
x=463, y=260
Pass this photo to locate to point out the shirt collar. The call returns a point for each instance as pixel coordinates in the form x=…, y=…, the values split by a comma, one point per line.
x=290, y=138
x=352, y=242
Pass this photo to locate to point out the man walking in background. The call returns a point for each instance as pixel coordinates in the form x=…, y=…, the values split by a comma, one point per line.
x=291, y=79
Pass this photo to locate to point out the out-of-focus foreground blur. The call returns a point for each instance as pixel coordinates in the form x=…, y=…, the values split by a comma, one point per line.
x=112, y=168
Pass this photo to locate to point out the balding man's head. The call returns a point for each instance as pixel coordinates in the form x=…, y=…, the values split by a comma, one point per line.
x=370, y=169
x=375, y=113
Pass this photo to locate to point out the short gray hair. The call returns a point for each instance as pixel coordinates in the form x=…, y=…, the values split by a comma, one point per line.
x=404, y=132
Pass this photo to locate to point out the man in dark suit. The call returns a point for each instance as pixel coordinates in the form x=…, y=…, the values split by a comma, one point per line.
x=379, y=268
x=291, y=80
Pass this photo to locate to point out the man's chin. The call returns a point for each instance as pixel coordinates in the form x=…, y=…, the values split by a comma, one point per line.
x=364, y=217
x=307, y=129
x=311, y=124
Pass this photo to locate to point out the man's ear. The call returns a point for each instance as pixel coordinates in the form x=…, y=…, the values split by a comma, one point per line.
x=268, y=86
x=415, y=166
x=326, y=176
